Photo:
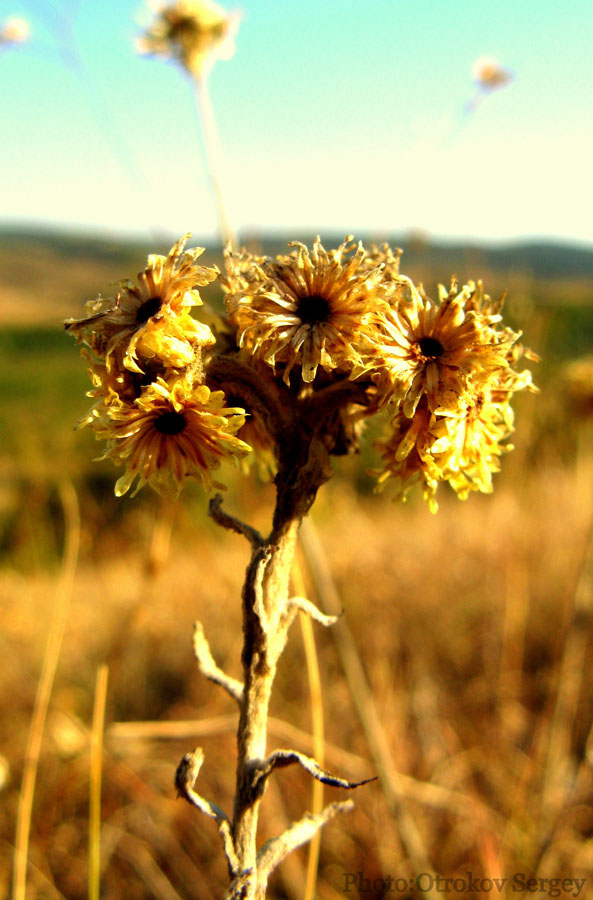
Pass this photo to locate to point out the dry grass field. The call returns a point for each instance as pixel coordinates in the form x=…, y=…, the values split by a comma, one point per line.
x=473, y=628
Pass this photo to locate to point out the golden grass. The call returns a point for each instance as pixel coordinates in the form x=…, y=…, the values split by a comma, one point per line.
x=468, y=639
x=59, y=616
x=96, y=771
x=317, y=726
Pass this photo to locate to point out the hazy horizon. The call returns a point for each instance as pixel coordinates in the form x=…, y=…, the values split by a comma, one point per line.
x=89, y=231
x=345, y=118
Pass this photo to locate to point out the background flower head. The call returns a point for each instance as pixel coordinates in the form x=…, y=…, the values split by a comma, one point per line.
x=194, y=33
x=489, y=74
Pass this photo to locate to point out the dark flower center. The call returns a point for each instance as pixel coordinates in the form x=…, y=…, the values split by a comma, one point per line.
x=313, y=310
x=148, y=309
x=170, y=423
x=431, y=347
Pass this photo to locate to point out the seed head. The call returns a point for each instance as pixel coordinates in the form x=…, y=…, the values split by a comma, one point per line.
x=194, y=33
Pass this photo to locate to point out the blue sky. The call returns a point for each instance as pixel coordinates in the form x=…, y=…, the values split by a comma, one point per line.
x=333, y=115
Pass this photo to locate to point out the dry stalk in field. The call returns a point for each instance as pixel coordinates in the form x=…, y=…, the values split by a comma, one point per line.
x=193, y=34
x=313, y=343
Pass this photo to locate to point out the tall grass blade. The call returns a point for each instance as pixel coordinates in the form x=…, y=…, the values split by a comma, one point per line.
x=57, y=626
x=95, y=783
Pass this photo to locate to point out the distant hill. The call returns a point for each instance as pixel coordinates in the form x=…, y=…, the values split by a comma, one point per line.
x=545, y=259
x=541, y=258
x=46, y=274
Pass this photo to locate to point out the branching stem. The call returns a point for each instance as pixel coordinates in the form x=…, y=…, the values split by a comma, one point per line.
x=268, y=611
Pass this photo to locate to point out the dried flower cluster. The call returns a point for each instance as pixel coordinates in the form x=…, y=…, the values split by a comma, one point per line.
x=446, y=377
x=444, y=372
x=148, y=355
x=193, y=33
x=311, y=325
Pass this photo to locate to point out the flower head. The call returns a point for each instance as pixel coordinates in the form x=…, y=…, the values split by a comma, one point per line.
x=150, y=321
x=463, y=450
x=408, y=456
x=170, y=432
x=446, y=375
x=308, y=309
x=489, y=74
x=441, y=351
x=479, y=439
x=192, y=32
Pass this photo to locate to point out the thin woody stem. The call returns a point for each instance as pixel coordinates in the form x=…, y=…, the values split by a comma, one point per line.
x=302, y=470
x=268, y=611
x=264, y=596
x=232, y=523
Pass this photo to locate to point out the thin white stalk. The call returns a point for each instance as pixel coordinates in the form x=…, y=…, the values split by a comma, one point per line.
x=213, y=153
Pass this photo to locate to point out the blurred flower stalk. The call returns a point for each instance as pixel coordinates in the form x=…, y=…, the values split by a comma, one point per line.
x=313, y=343
x=194, y=34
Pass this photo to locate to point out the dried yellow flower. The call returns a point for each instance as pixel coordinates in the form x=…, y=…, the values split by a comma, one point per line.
x=169, y=433
x=150, y=321
x=113, y=382
x=478, y=442
x=310, y=308
x=194, y=33
x=445, y=373
x=442, y=351
x=463, y=449
x=408, y=457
